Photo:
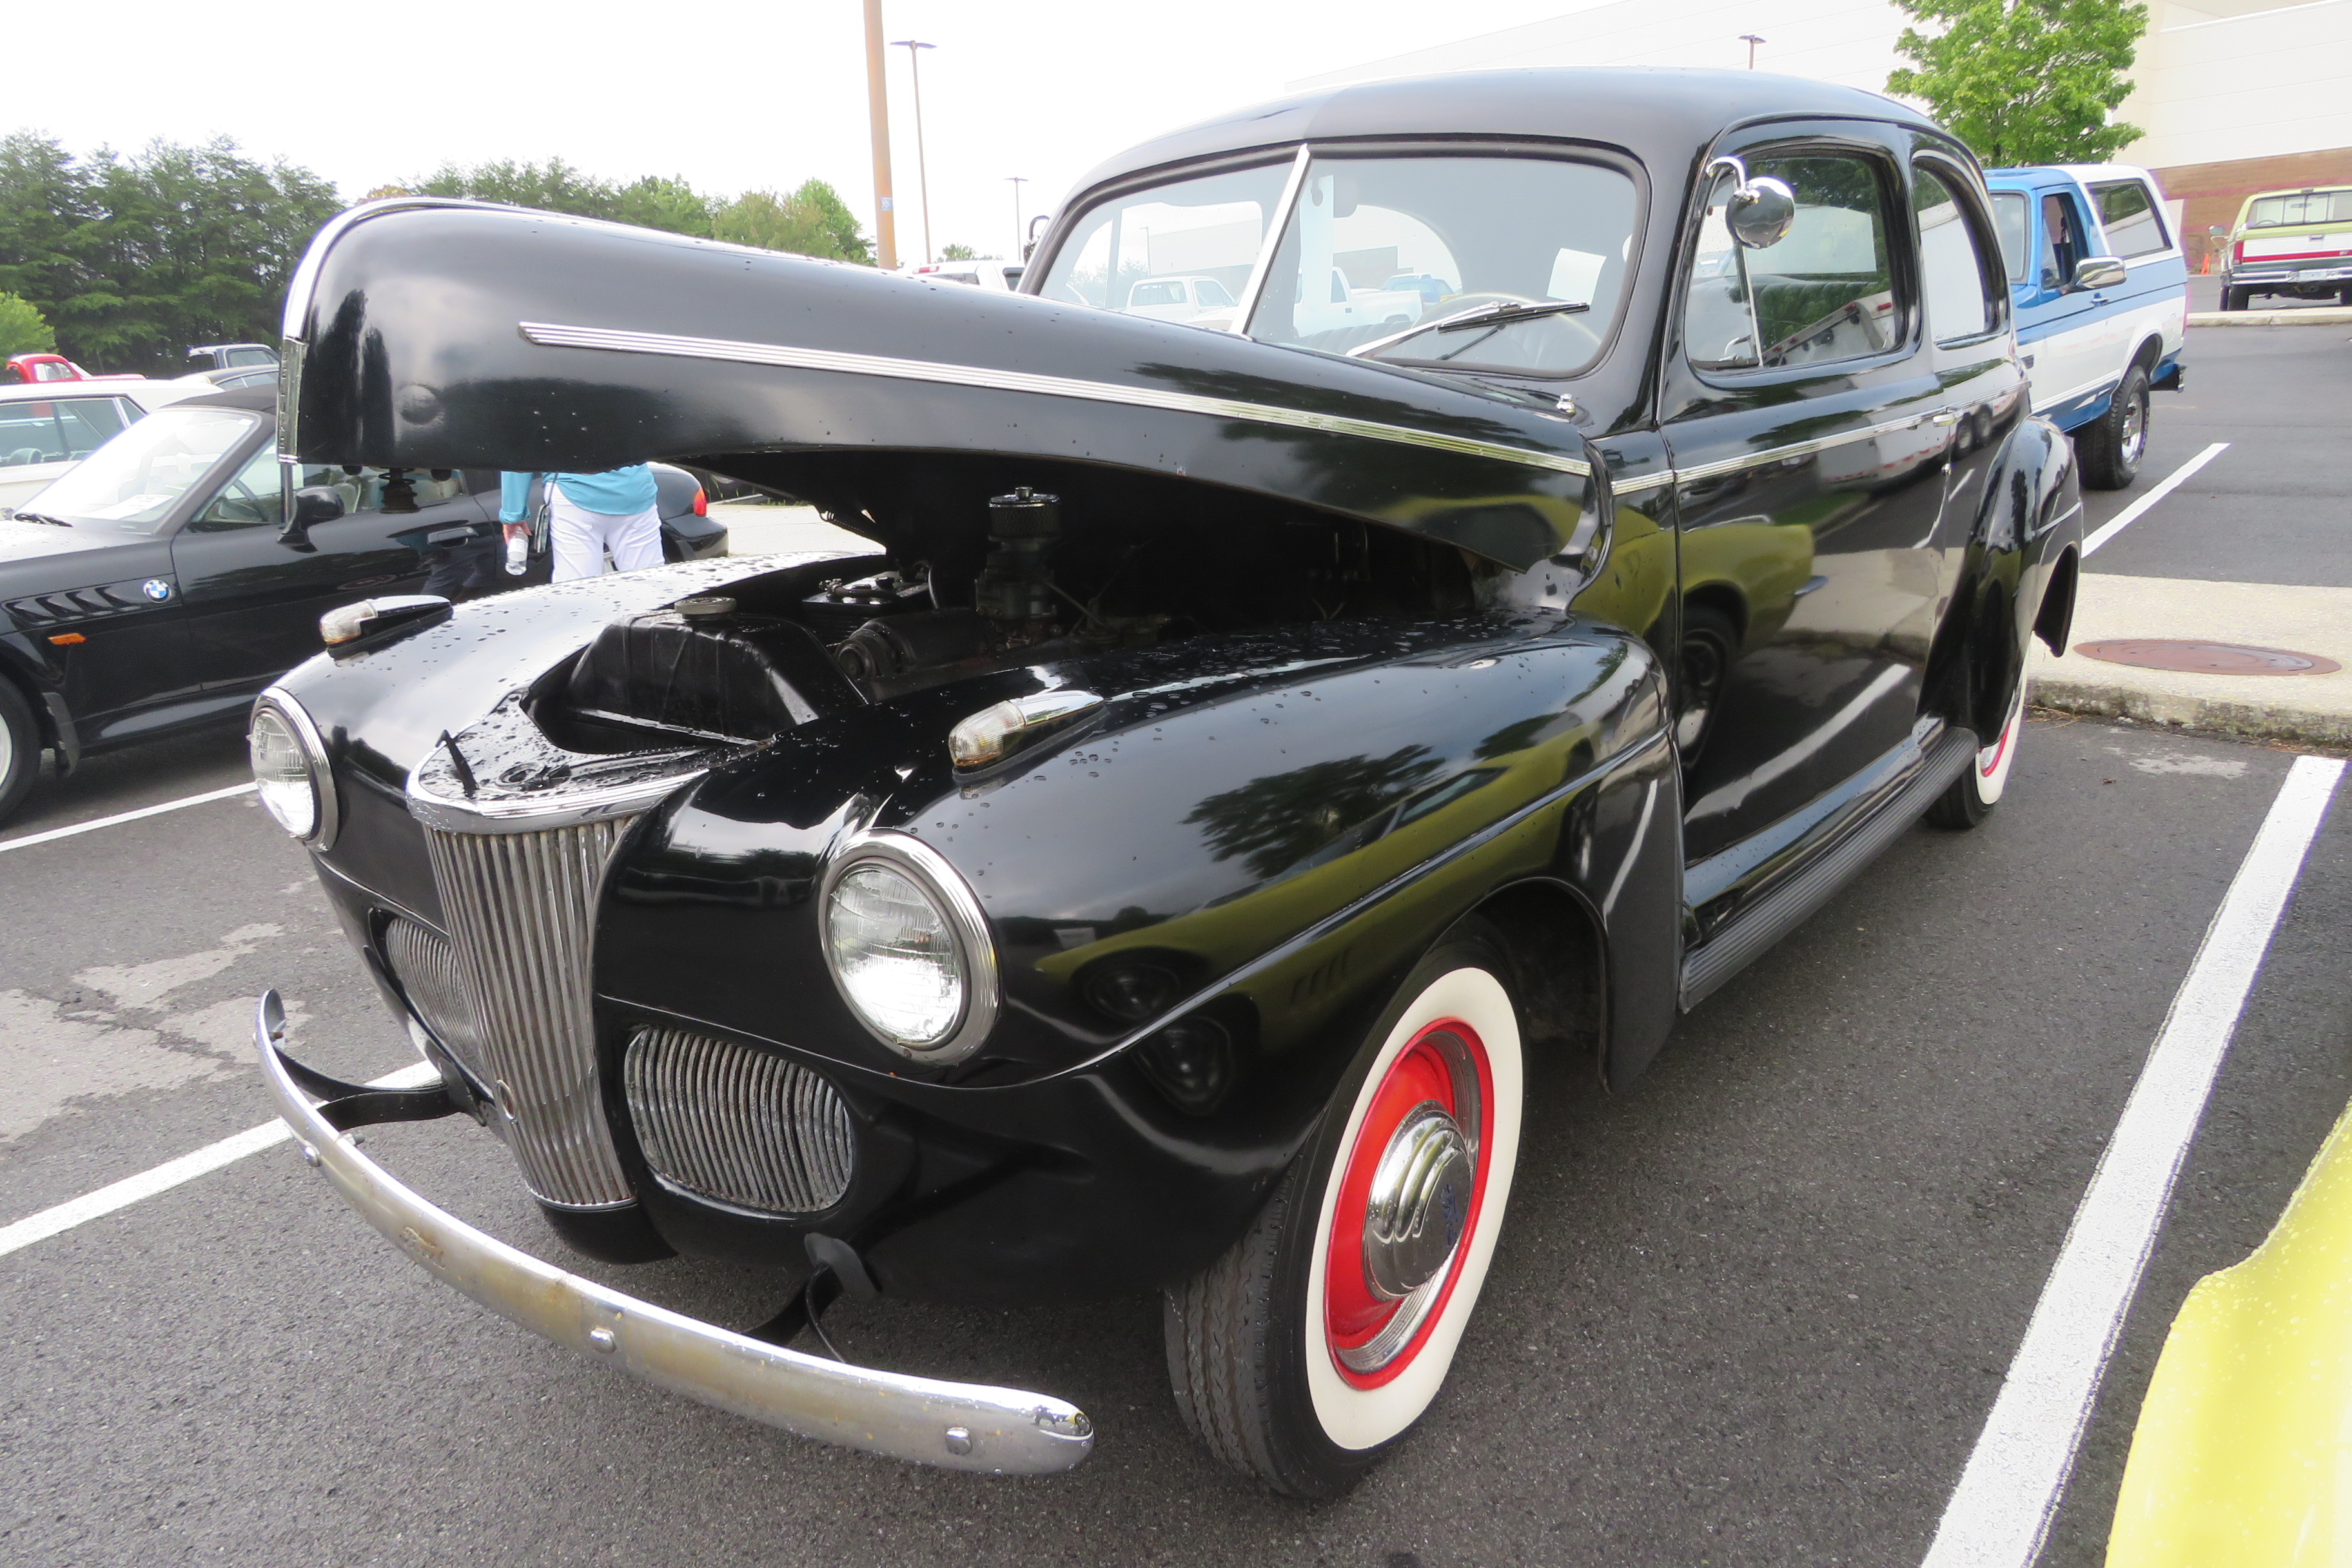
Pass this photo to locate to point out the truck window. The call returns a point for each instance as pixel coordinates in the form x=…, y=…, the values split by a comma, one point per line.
x=2061, y=241
x=2134, y=225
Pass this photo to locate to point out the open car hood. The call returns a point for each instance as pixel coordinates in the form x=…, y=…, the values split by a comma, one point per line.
x=438, y=335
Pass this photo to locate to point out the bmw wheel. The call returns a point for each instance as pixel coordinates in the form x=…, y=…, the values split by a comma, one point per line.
x=20, y=748
x=1312, y=1347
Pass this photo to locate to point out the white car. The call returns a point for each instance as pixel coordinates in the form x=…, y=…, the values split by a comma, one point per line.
x=1193, y=297
x=1346, y=307
x=47, y=428
x=994, y=273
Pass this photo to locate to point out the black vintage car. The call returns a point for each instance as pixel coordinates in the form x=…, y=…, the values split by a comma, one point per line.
x=154, y=587
x=1156, y=865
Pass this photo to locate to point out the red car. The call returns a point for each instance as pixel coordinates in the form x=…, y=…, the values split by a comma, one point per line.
x=21, y=368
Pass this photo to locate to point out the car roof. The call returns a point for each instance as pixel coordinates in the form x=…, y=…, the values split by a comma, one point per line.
x=1661, y=115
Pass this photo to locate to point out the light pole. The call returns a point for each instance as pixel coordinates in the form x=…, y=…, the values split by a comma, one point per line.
x=1017, y=182
x=922, y=170
x=1750, y=39
x=878, y=109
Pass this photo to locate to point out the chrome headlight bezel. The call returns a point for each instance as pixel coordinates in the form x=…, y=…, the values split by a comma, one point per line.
x=326, y=819
x=958, y=908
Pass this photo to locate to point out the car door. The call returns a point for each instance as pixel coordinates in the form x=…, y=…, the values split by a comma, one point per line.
x=1962, y=283
x=2060, y=337
x=254, y=603
x=1808, y=432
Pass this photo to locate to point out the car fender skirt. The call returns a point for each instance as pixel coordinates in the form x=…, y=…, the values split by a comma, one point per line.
x=458, y=336
x=955, y=1425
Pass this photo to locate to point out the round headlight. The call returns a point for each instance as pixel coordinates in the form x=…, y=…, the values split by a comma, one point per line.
x=290, y=771
x=909, y=948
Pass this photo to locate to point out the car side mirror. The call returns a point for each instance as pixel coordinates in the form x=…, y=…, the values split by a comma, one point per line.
x=1761, y=208
x=2099, y=272
x=313, y=504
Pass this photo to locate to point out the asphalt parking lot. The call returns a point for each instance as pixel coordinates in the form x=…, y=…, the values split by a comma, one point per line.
x=1753, y=1309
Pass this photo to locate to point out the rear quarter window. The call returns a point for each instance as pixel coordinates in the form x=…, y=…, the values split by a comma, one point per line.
x=2129, y=214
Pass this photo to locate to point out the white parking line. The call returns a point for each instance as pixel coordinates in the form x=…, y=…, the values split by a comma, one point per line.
x=30, y=840
x=2134, y=513
x=2009, y=1491
x=121, y=1194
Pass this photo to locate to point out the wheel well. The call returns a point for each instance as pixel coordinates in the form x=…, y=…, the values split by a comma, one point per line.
x=1725, y=597
x=44, y=722
x=2055, y=619
x=2148, y=352
x=1558, y=957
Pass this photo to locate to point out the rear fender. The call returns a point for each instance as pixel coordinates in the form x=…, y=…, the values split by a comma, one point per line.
x=2025, y=536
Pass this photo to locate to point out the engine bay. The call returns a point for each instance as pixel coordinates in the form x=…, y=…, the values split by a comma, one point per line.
x=1042, y=577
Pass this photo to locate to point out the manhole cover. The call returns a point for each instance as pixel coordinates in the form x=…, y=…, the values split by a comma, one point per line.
x=2206, y=657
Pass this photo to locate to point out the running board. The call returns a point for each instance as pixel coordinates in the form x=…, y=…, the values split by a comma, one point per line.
x=1736, y=945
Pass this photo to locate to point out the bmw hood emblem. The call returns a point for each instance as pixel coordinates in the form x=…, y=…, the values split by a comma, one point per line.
x=157, y=588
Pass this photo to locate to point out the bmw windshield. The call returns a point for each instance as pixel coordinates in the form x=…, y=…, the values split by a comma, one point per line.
x=133, y=481
x=1512, y=265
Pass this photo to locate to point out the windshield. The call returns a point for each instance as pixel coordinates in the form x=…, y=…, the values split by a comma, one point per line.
x=1377, y=247
x=2301, y=210
x=1137, y=253
x=133, y=480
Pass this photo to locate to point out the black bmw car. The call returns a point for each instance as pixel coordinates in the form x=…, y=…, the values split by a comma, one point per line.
x=156, y=586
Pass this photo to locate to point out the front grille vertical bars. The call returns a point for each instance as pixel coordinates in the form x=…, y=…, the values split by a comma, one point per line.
x=522, y=909
x=741, y=1126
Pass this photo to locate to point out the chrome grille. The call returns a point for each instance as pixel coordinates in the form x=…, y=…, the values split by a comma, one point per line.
x=426, y=967
x=521, y=910
x=738, y=1125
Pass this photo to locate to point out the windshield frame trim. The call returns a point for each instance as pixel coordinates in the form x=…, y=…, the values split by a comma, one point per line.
x=1254, y=285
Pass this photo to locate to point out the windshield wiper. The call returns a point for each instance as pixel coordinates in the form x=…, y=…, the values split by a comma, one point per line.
x=40, y=517
x=1501, y=315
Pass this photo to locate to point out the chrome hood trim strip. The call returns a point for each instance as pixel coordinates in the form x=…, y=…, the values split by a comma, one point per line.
x=954, y=1425
x=547, y=334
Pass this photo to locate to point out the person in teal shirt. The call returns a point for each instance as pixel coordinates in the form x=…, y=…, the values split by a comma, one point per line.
x=590, y=516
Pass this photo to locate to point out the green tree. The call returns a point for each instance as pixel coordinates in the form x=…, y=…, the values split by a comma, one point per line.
x=811, y=221
x=23, y=329
x=958, y=253
x=134, y=259
x=556, y=187
x=2024, y=81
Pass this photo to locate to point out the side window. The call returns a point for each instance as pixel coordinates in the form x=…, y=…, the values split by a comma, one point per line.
x=2061, y=241
x=1955, y=273
x=2134, y=225
x=86, y=422
x=1823, y=294
x=251, y=499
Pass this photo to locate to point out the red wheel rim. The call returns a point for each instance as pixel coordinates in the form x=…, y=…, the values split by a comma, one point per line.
x=1444, y=1062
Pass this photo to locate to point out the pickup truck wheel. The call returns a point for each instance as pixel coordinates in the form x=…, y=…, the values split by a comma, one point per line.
x=20, y=748
x=2113, y=444
x=2235, y=298
x=1308, y=1351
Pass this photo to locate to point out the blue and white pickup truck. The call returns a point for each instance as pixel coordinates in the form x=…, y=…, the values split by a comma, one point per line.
x=2101, y=295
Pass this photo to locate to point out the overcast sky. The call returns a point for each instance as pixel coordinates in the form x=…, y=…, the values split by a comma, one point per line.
x=727, y=94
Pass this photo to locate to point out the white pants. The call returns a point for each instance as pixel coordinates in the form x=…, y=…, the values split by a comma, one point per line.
x=580, y=538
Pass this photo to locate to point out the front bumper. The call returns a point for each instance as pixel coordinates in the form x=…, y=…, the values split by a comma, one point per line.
x=955, y=1425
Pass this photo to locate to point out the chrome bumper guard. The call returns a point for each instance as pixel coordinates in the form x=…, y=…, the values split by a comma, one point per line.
x=954, y=1425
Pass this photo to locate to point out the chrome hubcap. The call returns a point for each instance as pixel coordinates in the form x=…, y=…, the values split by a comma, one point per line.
x=1420, y=1202
x=2134, y=427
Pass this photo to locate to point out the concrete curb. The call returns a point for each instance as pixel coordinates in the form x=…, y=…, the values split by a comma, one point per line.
x=2220, y=716
x=2322, y=316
